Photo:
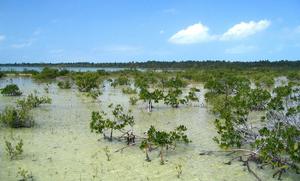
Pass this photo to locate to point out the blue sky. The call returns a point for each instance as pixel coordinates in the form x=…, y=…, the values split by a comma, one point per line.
x=140, y=30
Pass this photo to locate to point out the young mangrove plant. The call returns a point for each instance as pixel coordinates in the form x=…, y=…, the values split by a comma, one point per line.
x=133, y=100
x=129, y=90
x=107, y=153
x=101, y=123
x=15, y=117
x=13, y=151
x=33, y=101
x=274, y=141
x=163, y=140
x=25, y=175
x=122, y=80
x=148, y=96
x=87, y=81
x=64, y=84
x=11, y=90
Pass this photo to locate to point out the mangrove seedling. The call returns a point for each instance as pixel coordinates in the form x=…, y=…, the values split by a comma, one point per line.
x=133, y=100
x=178, y=168
x=13, y=151
x=107, y=153
x=148, y=96
x=11, y=90
x=25, y=175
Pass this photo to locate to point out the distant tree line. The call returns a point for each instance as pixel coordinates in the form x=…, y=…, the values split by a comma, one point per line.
x=211, y=64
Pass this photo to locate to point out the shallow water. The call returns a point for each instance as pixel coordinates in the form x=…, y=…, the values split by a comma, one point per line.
x=61, y=146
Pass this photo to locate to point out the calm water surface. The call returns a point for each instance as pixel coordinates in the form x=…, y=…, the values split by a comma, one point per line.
x=61, y=146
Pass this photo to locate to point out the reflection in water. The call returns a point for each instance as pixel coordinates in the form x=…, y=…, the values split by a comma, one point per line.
x=61, y=146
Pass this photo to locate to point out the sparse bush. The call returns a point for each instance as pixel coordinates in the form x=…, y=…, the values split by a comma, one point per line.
x=14, y=151
x=25, y=175
x=11, y=90
x=64, y=84
x=1, y=74
x=87, y=81
x=129, y=90
x=16, y=117
x=133, y=100
x=33, y=101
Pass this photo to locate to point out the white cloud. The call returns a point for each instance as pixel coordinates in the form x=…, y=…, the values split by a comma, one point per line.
x=161, y=32
x=2, y=37
x=241, y=49
x=193, y=34
x=245, y=29
x=24, y=44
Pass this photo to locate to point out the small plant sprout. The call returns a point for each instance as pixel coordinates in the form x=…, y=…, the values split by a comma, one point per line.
x=25, y=175
x=107, y=153
x=133, y=100
x=14, y=151
x=178, y=168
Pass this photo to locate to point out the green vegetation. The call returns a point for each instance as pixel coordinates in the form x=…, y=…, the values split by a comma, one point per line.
x=133, y=100
x=151, y=96
x=33, y=101
x=272, y=142
x=13, y=151
x=19, y=116
x=2, y=74
x=50, y=73
x=87, y=81
x=11, y=90
x=122, y=80
x=163, y=140
x=100, y=122
x=64, y=84
x=129, y=90
x=25, y=175
x=16, y=117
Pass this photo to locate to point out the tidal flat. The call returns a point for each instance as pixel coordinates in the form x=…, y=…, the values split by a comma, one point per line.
x=61, y=146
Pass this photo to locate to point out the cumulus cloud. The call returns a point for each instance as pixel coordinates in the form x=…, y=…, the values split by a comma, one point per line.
x=195, y=33
x=199, y=33
x=2, y=37
x=245, y=29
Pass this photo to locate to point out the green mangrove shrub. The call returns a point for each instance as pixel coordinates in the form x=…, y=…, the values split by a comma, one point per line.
x=14, y=117
x=163, y=140
x=274, y=141
x=87, y=81
x=100, y=122
x=64, y=84
x=151, y=96
x=33, y=101
x=129, y=90
x=11, y=90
